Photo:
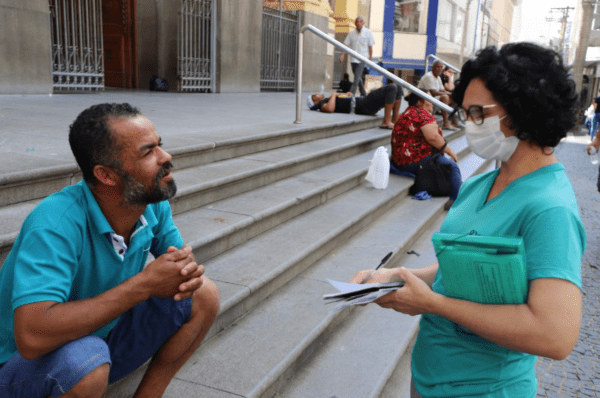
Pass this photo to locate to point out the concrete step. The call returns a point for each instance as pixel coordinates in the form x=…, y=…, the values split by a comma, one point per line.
x=200, y=185
x=265, y=347
x=248, y=274
x=384, y=366
x=218, y=368
x=368, y=355
x=422, y=254
x=271, y=335
x=224, y=224
x=204, y=184
x=44, y=176
x=211, y=182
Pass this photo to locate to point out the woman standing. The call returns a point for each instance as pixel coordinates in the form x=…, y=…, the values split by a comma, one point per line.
x=518, y=102
x=416, y=137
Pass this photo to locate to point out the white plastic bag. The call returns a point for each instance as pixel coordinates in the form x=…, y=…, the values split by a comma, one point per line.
x=379, y=170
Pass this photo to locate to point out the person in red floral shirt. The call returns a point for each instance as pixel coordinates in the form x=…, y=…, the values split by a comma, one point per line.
x=417, y=136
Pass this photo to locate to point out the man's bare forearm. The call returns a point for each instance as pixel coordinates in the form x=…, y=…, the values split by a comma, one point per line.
x=329, y=106
x=42, y=327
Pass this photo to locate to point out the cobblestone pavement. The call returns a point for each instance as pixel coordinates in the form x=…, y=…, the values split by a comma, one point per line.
x=579, y=374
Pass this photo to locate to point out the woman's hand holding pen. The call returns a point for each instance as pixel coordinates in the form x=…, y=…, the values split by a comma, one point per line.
x=415, y=298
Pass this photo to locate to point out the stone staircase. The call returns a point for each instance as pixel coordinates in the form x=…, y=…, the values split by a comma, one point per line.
x=272, y=217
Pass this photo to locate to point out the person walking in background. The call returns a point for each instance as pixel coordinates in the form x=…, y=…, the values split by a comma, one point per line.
x=518, y=103
x=416, y=137
x=595, y=122
x=596, y=145
x=360, y=40
x=79, y=306
x=431, y=82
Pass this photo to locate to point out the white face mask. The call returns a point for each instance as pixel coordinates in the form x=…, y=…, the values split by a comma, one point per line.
x=488, y=141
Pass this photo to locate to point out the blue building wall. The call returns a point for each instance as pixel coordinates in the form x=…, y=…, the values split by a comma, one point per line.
x=388, y=38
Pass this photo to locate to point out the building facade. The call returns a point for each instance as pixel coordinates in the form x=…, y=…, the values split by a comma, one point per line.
x=194, y=45
x=407, y=31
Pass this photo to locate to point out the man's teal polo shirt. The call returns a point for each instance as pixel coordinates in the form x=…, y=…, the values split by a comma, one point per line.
x=64, y=253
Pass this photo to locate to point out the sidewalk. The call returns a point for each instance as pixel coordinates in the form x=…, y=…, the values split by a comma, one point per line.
x=578, y=376
x=34, y=128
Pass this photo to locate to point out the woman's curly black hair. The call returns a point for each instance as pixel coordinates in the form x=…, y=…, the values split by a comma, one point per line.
x=532, y=84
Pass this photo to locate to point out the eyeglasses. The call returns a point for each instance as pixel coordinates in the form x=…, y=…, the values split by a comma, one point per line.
x=475, y=112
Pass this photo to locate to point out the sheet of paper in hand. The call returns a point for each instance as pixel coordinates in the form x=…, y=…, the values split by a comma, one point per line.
x=354, y=294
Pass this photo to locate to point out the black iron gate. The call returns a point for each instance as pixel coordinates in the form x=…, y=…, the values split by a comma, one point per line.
x=279, y=50
x=196, y=47
x=77, y=45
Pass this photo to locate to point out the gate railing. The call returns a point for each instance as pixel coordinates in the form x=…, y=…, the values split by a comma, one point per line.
x=196, y=46
x=278, y=51
x=77, y=45
x=362, y=59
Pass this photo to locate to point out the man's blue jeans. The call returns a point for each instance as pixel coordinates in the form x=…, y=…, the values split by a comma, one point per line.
x=357, y=70
x=594, y=125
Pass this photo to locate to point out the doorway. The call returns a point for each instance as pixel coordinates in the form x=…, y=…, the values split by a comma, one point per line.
x=118, y=23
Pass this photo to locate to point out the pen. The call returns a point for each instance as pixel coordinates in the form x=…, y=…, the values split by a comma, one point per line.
x=387, y=257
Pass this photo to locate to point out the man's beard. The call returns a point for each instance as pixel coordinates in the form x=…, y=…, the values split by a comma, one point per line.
x=136, y=194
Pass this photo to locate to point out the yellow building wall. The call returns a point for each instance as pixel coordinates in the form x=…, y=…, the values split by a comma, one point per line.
x=346, y=12
x=502, y=11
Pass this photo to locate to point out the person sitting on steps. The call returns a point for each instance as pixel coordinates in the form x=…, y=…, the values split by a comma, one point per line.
x=345, y=84
x=79, y=305
x=431, y=83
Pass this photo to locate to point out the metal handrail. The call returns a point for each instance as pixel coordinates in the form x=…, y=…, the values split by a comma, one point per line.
x=364, y=60
x=454, y=68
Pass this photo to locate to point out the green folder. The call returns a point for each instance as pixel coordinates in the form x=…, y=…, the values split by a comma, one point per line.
x=484, y=269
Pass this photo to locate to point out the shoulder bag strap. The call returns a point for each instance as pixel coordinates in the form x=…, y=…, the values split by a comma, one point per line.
x=441, y=150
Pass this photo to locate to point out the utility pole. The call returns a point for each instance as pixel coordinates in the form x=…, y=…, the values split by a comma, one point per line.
x=463, y=41
x=587, y=13
x=483, y=23
x=563, y=20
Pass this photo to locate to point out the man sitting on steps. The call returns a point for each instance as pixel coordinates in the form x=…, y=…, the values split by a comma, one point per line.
x=79, y=308
x=432, y=83
x=387, y=97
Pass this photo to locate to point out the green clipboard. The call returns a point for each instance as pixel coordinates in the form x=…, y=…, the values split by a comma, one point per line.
x=484, y=269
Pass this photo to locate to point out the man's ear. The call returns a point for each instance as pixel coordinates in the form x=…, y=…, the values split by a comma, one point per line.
x=106, y=175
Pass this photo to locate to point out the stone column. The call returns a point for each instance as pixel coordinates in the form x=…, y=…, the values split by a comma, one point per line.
x=239, y=25
x=25, y=47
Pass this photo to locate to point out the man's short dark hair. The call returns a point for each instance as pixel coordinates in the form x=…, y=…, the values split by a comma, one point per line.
x=91, y=140
x=531, y=83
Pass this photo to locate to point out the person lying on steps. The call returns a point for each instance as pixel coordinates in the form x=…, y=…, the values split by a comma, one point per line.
x=388, y=97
